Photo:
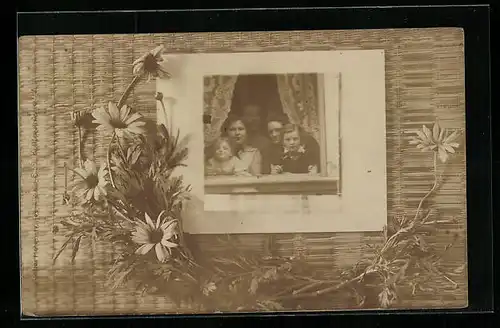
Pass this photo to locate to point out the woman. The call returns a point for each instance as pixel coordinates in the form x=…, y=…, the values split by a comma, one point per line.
x=235, y=129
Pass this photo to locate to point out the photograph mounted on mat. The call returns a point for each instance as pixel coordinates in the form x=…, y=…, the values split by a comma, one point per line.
x=283, y=142
x=174, y=173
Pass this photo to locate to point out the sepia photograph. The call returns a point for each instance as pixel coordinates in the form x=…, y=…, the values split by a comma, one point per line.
x=274, y=137
x=242, y=172
x=280, y=132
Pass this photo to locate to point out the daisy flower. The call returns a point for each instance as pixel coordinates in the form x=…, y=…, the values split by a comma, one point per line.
x=92, y=183
x=150, y=235
x=119, y=121
x=438, y=140
x=151, y=64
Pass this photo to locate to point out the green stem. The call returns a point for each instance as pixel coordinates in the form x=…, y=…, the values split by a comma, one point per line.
x=127, y=91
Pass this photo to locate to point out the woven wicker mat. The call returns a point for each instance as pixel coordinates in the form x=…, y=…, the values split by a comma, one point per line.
x=425, y=81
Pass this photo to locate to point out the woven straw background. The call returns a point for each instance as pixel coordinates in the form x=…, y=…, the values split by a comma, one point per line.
x=424, y=81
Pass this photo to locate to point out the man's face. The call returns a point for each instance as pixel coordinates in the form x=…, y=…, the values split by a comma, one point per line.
x=274, y=130
x=252, y=116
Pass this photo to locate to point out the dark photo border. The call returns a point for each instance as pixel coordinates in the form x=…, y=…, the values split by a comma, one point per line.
x=473, y=19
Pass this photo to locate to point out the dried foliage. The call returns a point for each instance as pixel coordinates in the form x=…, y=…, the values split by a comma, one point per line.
x=135, y=202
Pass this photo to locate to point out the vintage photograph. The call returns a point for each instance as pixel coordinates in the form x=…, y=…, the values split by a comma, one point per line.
x=273, y=138
x=242, y=172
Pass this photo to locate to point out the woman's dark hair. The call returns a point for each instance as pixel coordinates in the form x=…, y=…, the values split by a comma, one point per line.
x=276, y=117
x=230, y=120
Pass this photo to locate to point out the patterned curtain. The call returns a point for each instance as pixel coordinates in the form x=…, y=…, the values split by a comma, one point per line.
x=218, y=93
x=298, y=93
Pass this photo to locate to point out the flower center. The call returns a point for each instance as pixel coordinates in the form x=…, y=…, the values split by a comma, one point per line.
x=118, y=124
x=150, y=63
x=156, y=236
x=92, y=181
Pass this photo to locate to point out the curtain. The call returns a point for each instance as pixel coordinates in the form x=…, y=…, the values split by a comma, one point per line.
x=298, y=94
x=218, y=93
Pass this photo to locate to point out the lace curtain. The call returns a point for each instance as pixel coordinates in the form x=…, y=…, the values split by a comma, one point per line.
x=218, y=93
x=298, y=94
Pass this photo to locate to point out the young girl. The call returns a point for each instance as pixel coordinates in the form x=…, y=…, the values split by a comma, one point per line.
x=223, y=161
x=296, y=158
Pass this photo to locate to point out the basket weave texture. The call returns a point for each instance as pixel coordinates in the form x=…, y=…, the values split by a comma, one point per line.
x=424, y=81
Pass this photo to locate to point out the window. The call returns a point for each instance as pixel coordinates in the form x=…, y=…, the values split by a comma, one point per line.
x=274, y=127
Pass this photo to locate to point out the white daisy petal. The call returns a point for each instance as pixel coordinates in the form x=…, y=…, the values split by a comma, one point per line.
x=140, y=237
x=82, y=192
x=114, y=112
x=451, y=137
x=101, y=115
x=140, y=59
x=82, y=173
x=157, y=51
x=144, y=249
x=90, y=167
x=157, y=225
x=97, y=193
x=89, y=194
x=454, y=144
x=441, y=135
x=137, y=123
x=168, y=244
x=148, y=220
x=161, y=252
x=421, y=135
x=102, y=190
x=435, y=131
x=132, y=118
x=427, y=132
x=102, y=172
x=169, y=228
x=414, y=141
x=124, y=112
x=105, y=127
x=449, y=149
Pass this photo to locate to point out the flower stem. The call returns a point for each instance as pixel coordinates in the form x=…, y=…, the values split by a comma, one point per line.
x=122, y=152
x=127, y=91
x=321, y=291
x=431, y=190
x=108, y=155
x=80, y=150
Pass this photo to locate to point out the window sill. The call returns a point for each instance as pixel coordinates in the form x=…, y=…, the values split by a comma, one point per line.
x=272, y=184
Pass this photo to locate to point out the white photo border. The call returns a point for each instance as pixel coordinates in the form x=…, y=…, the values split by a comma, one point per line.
x=357, y=81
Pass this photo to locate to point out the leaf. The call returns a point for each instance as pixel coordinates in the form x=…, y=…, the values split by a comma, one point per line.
x=270, y=305
x=62, y=248
x=135, y=155
x=451, y=137
x=254, y=285
x=460, y=269
x=76, y=247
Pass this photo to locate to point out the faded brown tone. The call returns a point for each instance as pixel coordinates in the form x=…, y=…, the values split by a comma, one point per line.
x=425, y=81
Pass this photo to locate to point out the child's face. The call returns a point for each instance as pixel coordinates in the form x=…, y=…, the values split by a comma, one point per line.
x=223, y=151
x=291, y=140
